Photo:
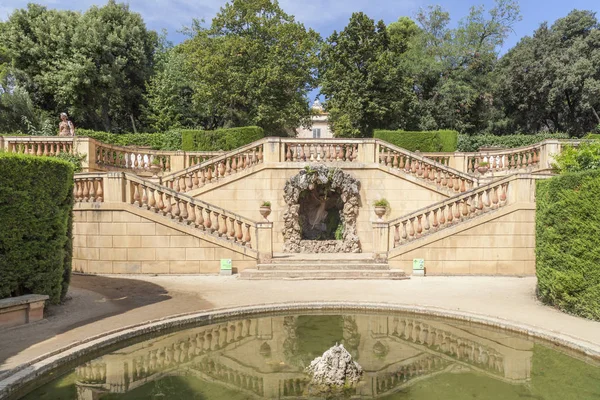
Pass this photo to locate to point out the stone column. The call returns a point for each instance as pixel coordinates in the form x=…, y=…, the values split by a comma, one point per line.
x=114, y=187
x=366, y=152
x=264, y=242
x=381, y=237
x=273, y=150
x=459, y=161
x=550, y=148
x=87, y=146
x=178, y=161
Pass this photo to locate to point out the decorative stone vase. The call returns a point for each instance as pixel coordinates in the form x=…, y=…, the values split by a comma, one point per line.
x=482, y=169
x=380, y=212
x=265, y=211
x=155, y=169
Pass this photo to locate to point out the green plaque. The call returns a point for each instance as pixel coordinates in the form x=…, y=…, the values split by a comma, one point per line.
x=225, y=264
x=418, y=264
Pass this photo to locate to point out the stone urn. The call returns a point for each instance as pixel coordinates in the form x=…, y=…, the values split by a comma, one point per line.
x=482, y=169
x=155, y=168
x=380, y=212
x=265, y=211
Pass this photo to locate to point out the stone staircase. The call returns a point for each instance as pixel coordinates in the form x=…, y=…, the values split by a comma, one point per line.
x=323, y=266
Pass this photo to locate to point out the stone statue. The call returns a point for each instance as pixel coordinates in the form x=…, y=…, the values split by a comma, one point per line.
x=65, y=128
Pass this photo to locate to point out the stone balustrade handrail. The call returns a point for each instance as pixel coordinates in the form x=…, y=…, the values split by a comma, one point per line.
x=448, y=212
x=216, y=168
x=37, y=145
x=324, y=150
x=90, y=187
x=422, y=167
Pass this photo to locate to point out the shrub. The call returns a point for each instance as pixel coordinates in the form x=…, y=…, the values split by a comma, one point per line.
x=425, y=141
x=568, y=242
x=170, y=140
x=582, y=158
x=76, y=160
x=221, y=139
x=473, y=143
x=36, y=203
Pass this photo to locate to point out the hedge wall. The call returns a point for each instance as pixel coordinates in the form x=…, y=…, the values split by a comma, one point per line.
x=473, y=143
x=36, y=203
x=568, y=242
x=221, y=139
x=170, y=140
x=425, y=141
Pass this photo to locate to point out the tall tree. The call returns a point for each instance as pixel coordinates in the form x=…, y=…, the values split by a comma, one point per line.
x=551, y=81
x=253, y=66
x=93, y=65
x=363, y=87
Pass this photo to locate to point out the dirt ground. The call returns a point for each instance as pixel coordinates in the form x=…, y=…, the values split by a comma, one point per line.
x=97, y=304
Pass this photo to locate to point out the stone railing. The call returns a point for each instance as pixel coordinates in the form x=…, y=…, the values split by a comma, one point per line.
x=89, y=187
x=132, y=159
x=450, y=211
x=315, y=150
x=37, y=145
x=423, y=168
x=190, y=211
x=216, y=168
x=506, y=160
x=198, y=157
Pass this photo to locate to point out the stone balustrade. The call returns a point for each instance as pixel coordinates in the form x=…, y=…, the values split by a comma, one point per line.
x=89, y=187
x=507, y=159
x=198, y=157
x=131, y=158
x=216, y=168
x=330, y=150
x=423, y=168
x=190, y=211
x=38, y=145
x=451, y=211
x=402, y=375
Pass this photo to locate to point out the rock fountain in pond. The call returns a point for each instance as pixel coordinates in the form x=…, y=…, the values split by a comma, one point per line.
x=334, y=372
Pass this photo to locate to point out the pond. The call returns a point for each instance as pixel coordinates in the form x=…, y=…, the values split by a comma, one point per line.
x=403, y=356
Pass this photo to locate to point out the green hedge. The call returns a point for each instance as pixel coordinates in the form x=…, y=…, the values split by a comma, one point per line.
x=36, y=203
x=473, y=143
x=221, y=139
x=425, y=141
x=568, y=242
x=170, y=140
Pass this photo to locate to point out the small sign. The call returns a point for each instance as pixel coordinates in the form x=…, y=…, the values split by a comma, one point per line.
x=225, y=263
x=418, y=267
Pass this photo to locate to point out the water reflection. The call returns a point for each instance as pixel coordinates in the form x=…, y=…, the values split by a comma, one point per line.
x=266, y=357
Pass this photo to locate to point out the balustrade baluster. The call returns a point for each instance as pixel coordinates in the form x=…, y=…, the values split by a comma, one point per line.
x=221, y=170
x=86, y=191
x=411, y=227
x=450, y=214
x=208, y=221
x=435, y=219
x=209, y=174
x=247, y=237
x=465, y=208
x=401, y=162
x=487, y=201
x=224, y=228
x=231, y=231
x=495, y=198
x=152, y=200
x=92, y=185
x=457, y=211
x=195, y=180
x=396, y=235
x=159, y=203
x=503, y=189
x=426, y=224
x=176, y=212
x=419, y=226
x=217, y=225
x=191, y=218
x=462, y=185
x=239, y=234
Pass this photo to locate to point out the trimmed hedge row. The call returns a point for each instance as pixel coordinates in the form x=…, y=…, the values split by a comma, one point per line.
x=170, y=140
x=424, y=141
x=36, y=210
x=473, y=143
x=568, y=242
x=221, y=139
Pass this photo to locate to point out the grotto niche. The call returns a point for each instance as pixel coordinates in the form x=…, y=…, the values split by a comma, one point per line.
x=322, y=208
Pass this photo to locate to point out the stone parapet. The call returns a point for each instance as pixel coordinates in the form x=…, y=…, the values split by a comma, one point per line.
x=15, y=311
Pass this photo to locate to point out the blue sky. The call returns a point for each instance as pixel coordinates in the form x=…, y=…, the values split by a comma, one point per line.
x=321, y=15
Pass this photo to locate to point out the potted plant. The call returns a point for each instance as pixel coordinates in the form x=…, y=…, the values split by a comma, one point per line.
x=265, y=209
x=156, y=166
x=483, y=167
x=381, y=208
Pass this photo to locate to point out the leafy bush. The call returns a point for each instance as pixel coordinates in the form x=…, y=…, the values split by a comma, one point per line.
x=568, y=242
x=582, y=158
x=75, y=159
x=425, y=141
x=36, y=203
x=170, y=140
x=221, y=139
x=473, y=143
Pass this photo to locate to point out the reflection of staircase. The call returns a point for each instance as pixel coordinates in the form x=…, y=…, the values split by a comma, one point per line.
x=324, y=266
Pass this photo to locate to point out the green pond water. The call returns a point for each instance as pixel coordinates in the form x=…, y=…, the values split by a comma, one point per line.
x=403, y=357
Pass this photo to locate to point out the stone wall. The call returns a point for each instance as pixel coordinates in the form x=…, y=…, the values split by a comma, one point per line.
x=502, y=243
x=121, y=242
x=244, y=196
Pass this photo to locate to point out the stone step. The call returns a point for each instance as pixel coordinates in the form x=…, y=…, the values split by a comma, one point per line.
x=389, y=274
x=312, y=265
x=337, y=258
